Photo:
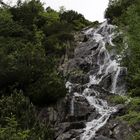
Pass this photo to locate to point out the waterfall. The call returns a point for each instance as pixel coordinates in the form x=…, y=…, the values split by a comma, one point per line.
x=103, y=109
x=115, y=78
x=72, y=105
x=103, y=36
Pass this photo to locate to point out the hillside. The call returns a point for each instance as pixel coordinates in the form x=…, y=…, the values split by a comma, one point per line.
x=63, y=77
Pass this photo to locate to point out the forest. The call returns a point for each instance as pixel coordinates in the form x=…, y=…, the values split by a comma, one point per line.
x=33, y=42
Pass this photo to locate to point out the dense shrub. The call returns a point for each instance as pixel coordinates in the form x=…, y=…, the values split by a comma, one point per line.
x=48, y=89
x=19, y=119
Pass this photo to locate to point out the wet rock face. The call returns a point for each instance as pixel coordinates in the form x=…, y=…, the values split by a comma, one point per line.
x=79, y=78
x=121, y=83
x=63, y=128
x=84, y=49
x=92, y=75
x=54, y=114
x=80, y=111
x=102, y=138
x=70, y=135
x=106, y=82
x=116, y=130
x=81, y=107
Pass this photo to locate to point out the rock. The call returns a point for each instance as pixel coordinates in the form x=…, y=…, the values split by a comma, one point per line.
x=85, y=39
x=136, y=126
x=70, y=135
x=68, y=126
x=79, y=37
x=116, y=129
x=121, y=83
x=76, y=134
x=84, y=49
x=61, y=128
x=79, y=78
x=74, y=64
x=92, y=116
x=106, y=82
x=64, y=136
x=78, y=88
x=54, y=114
x=48, y=114
x=82, y=108
x=77, y=125
x=122, y=131
x=81, y=111
x=102, y=138
x=120, y=110
x=103, y=92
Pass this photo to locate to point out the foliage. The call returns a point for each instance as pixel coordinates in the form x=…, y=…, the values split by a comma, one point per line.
x=11, y=131
x=27, y=13
x=46, y=93
x=128, y=22
x=33, y=42
x=132, y=117
x=136, y=136
x=134, y=104
x=117, y=99
x=70, y=16
x=77, y=20
x=132, y=112
x=126, y=15
x=19, y=121
x=117, y=8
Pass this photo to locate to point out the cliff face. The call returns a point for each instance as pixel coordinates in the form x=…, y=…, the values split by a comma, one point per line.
x=94, y=77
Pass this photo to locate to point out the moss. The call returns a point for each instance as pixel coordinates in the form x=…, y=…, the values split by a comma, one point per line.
x=134, y=104
x=116, y=99
x=132, y=117
x=135, y=92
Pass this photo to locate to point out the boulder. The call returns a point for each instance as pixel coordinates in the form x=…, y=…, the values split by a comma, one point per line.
x=116, y=129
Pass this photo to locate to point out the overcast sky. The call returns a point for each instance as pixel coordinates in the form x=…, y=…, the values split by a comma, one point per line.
x=91, y=9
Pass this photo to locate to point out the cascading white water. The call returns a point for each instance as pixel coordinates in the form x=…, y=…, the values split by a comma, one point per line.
x=114, y=83
x=102, y=108
x=103, y=36
x=72, y=105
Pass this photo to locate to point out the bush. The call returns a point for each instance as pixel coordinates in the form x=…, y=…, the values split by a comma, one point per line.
x=70, y=16
x=47, y=90
x=132, y=117
x=64, y=37
x=117, y=8
x=135, y=92
x=19, y=119
x=118, y=99
x=134, y=104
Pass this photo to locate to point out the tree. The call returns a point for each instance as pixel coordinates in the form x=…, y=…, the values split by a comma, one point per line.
x=62, y=9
